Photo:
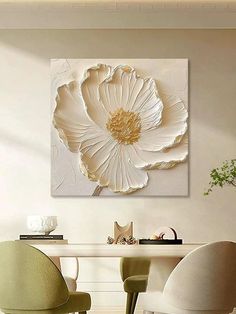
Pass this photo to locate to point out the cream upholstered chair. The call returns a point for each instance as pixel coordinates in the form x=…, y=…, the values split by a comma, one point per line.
x=71, y=278
x=204, y=282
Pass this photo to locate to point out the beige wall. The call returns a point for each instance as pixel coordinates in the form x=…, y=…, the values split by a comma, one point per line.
x=25, y=138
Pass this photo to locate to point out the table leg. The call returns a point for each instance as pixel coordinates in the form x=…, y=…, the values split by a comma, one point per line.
x=160, y=270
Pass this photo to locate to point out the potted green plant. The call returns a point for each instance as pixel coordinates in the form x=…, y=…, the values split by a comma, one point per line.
x=224, y=175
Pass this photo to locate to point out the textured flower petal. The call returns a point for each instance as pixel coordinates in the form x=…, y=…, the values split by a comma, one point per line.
x=109, y=165
x=124, y=89
x=171, y=130
x=101, y=158
x=149, y=105
x=159, y=160
x=90, y=92
x=69, y=117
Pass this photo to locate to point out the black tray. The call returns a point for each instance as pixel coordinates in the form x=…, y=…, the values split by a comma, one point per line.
x=160, y=242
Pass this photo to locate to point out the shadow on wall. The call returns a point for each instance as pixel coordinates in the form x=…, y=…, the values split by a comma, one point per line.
x=20, y=142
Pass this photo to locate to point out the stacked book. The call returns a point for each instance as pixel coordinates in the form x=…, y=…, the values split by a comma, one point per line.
x=43, y=239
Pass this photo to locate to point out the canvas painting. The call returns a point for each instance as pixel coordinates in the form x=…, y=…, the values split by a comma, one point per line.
x=119, y=127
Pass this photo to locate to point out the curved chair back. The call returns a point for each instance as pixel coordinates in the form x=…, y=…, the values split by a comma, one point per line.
x=132, y=266
x=205, y=279
x=70, y=267
x=29, y=280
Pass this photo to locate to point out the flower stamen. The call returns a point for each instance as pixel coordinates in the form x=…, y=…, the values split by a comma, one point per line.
x=125, y=126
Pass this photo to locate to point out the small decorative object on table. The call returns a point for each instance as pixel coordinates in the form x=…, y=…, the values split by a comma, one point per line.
x=122, y=234
x=42, y=241
x=163, y=235
x=131, y=240
x=110, y=240
x=42, y=224
x=121, y=241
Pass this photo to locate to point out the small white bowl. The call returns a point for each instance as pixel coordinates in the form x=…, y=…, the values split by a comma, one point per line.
x=42, y=224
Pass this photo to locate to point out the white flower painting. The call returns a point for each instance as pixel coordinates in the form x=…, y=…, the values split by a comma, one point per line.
x=119, y=127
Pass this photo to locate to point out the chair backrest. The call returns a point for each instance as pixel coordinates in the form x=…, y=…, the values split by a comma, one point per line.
x=131, y=266
x=29, y=280
x=70, y=267
x=205, y=279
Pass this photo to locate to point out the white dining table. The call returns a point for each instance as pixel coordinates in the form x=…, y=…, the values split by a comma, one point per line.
x=164, y=258
x=106, y=250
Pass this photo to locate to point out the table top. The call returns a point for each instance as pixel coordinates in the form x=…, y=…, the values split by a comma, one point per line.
x=106, y=250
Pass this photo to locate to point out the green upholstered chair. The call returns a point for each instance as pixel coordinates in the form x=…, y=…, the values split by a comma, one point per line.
x=30, y=282
x=134, y=273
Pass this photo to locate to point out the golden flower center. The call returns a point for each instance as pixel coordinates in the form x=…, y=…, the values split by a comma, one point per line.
x=125, y=126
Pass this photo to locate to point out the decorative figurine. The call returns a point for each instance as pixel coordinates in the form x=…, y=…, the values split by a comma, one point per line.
x=131, y=240
x=110, y=240
x=164, y=233
x=121, y=240
x=122, y=235
x=122, y=231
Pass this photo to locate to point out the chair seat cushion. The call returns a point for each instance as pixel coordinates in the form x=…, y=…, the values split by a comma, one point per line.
x=136, y=283
x=77, y=302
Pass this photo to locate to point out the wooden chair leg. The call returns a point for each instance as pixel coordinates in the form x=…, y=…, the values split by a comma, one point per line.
x=134, y=301
x=129, y=303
